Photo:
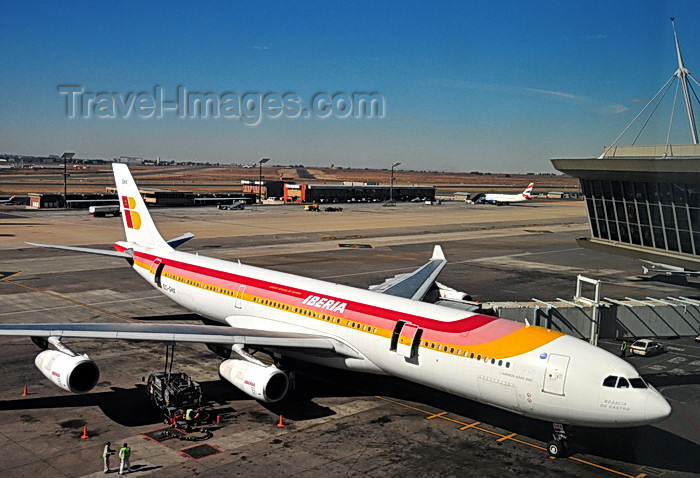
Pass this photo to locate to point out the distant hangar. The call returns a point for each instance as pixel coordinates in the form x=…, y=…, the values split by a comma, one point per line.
x=360, y=192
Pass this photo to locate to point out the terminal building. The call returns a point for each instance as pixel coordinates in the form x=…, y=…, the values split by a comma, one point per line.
x=642, y=202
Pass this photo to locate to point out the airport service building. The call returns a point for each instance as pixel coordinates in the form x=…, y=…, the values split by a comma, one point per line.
x=351, y=192
x=642, y=202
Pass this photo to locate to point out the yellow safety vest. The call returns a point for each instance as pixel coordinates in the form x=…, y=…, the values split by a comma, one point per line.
x=124, y=453
x=105, y=454
x=188, y=415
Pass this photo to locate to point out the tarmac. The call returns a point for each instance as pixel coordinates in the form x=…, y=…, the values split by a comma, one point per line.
x=336, y=423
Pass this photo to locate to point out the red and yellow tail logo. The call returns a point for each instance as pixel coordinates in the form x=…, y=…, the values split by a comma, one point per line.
x=133, y=219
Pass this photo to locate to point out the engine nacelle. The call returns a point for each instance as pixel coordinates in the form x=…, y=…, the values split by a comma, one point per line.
x=73, y=373
x=267, y=384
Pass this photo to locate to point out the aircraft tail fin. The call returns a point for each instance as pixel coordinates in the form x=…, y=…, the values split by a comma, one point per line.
x=138, y=225
x=528, y=191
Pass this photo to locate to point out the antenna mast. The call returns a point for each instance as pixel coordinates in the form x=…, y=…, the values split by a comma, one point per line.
x=682, y=74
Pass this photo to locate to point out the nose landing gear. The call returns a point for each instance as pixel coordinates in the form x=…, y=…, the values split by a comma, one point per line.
x=558, y=447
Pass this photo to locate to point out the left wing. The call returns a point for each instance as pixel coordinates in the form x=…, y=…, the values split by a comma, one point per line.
x=206, y=334
x=416, y=284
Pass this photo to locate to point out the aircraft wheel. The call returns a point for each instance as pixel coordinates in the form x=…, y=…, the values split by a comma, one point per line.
x=557, y=448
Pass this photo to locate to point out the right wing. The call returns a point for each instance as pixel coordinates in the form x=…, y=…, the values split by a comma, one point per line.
x=416, y=284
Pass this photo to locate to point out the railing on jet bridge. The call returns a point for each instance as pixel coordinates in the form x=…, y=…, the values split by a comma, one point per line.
x=594, y=303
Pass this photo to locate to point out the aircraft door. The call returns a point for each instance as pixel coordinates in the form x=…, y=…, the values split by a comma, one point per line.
x=239, y=297
x=157, y=269
x=406, y=339
x=410, y=340
x=555, y=375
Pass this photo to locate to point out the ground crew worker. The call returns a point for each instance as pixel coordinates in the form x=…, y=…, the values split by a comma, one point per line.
x=623, y=348
x=105, y=455
x=188, y=418
x=124, y=455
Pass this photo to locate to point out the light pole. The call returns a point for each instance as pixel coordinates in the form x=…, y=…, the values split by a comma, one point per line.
x=391, y=186
x=261, y=162
x=65, y=157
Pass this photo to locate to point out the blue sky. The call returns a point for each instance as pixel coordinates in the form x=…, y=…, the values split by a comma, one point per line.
x=490, y=86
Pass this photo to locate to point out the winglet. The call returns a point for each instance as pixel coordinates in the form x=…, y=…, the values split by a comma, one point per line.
x=438, y=254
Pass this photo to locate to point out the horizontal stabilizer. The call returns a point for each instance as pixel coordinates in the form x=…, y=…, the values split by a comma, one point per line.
x=128, y=254
x=180, y=240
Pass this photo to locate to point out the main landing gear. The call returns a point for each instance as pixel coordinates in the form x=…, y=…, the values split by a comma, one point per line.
x=559, y=446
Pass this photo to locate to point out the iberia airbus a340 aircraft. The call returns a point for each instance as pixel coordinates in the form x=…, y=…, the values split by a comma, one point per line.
x=517, y=367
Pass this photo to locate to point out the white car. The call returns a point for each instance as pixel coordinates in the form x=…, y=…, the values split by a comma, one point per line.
x=646, y=347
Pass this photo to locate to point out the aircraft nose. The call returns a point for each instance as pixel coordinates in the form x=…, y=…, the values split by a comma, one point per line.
x=656, y=408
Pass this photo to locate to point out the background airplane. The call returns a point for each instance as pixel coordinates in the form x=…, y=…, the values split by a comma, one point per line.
x=504, y=199
x=665, y=269
x=524, y=369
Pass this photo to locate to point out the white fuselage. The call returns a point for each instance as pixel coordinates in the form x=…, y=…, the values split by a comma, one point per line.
x=523, y=369
x=504, y=198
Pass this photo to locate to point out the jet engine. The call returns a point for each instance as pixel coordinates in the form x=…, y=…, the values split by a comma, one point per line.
x=73, y=373
x=264, y=383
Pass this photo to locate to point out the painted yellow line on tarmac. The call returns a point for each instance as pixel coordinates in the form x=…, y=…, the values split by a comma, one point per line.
x=605, y=468
x=470, y=425
x=507, y=437
x=510, y=437
x=436, y=415
x=77, y=302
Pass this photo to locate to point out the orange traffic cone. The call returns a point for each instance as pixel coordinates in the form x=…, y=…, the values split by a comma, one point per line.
x=281, y=423
x=85, y=434
x=25, y=392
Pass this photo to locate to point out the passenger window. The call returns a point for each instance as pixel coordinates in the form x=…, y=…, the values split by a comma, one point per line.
x=638, y=383
x=623, y=383
x=610, y=381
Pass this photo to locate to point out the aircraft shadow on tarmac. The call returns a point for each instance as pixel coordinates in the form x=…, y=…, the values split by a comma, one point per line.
x=646, y=445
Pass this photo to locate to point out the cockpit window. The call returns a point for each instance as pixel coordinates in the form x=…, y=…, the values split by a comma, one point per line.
x=610, y=381
x=623, y=383
x=638, y=383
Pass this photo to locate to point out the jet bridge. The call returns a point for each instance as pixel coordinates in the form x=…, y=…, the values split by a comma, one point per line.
x=606, y=317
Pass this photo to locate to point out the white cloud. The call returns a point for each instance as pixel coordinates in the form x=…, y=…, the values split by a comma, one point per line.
x=595, y=104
